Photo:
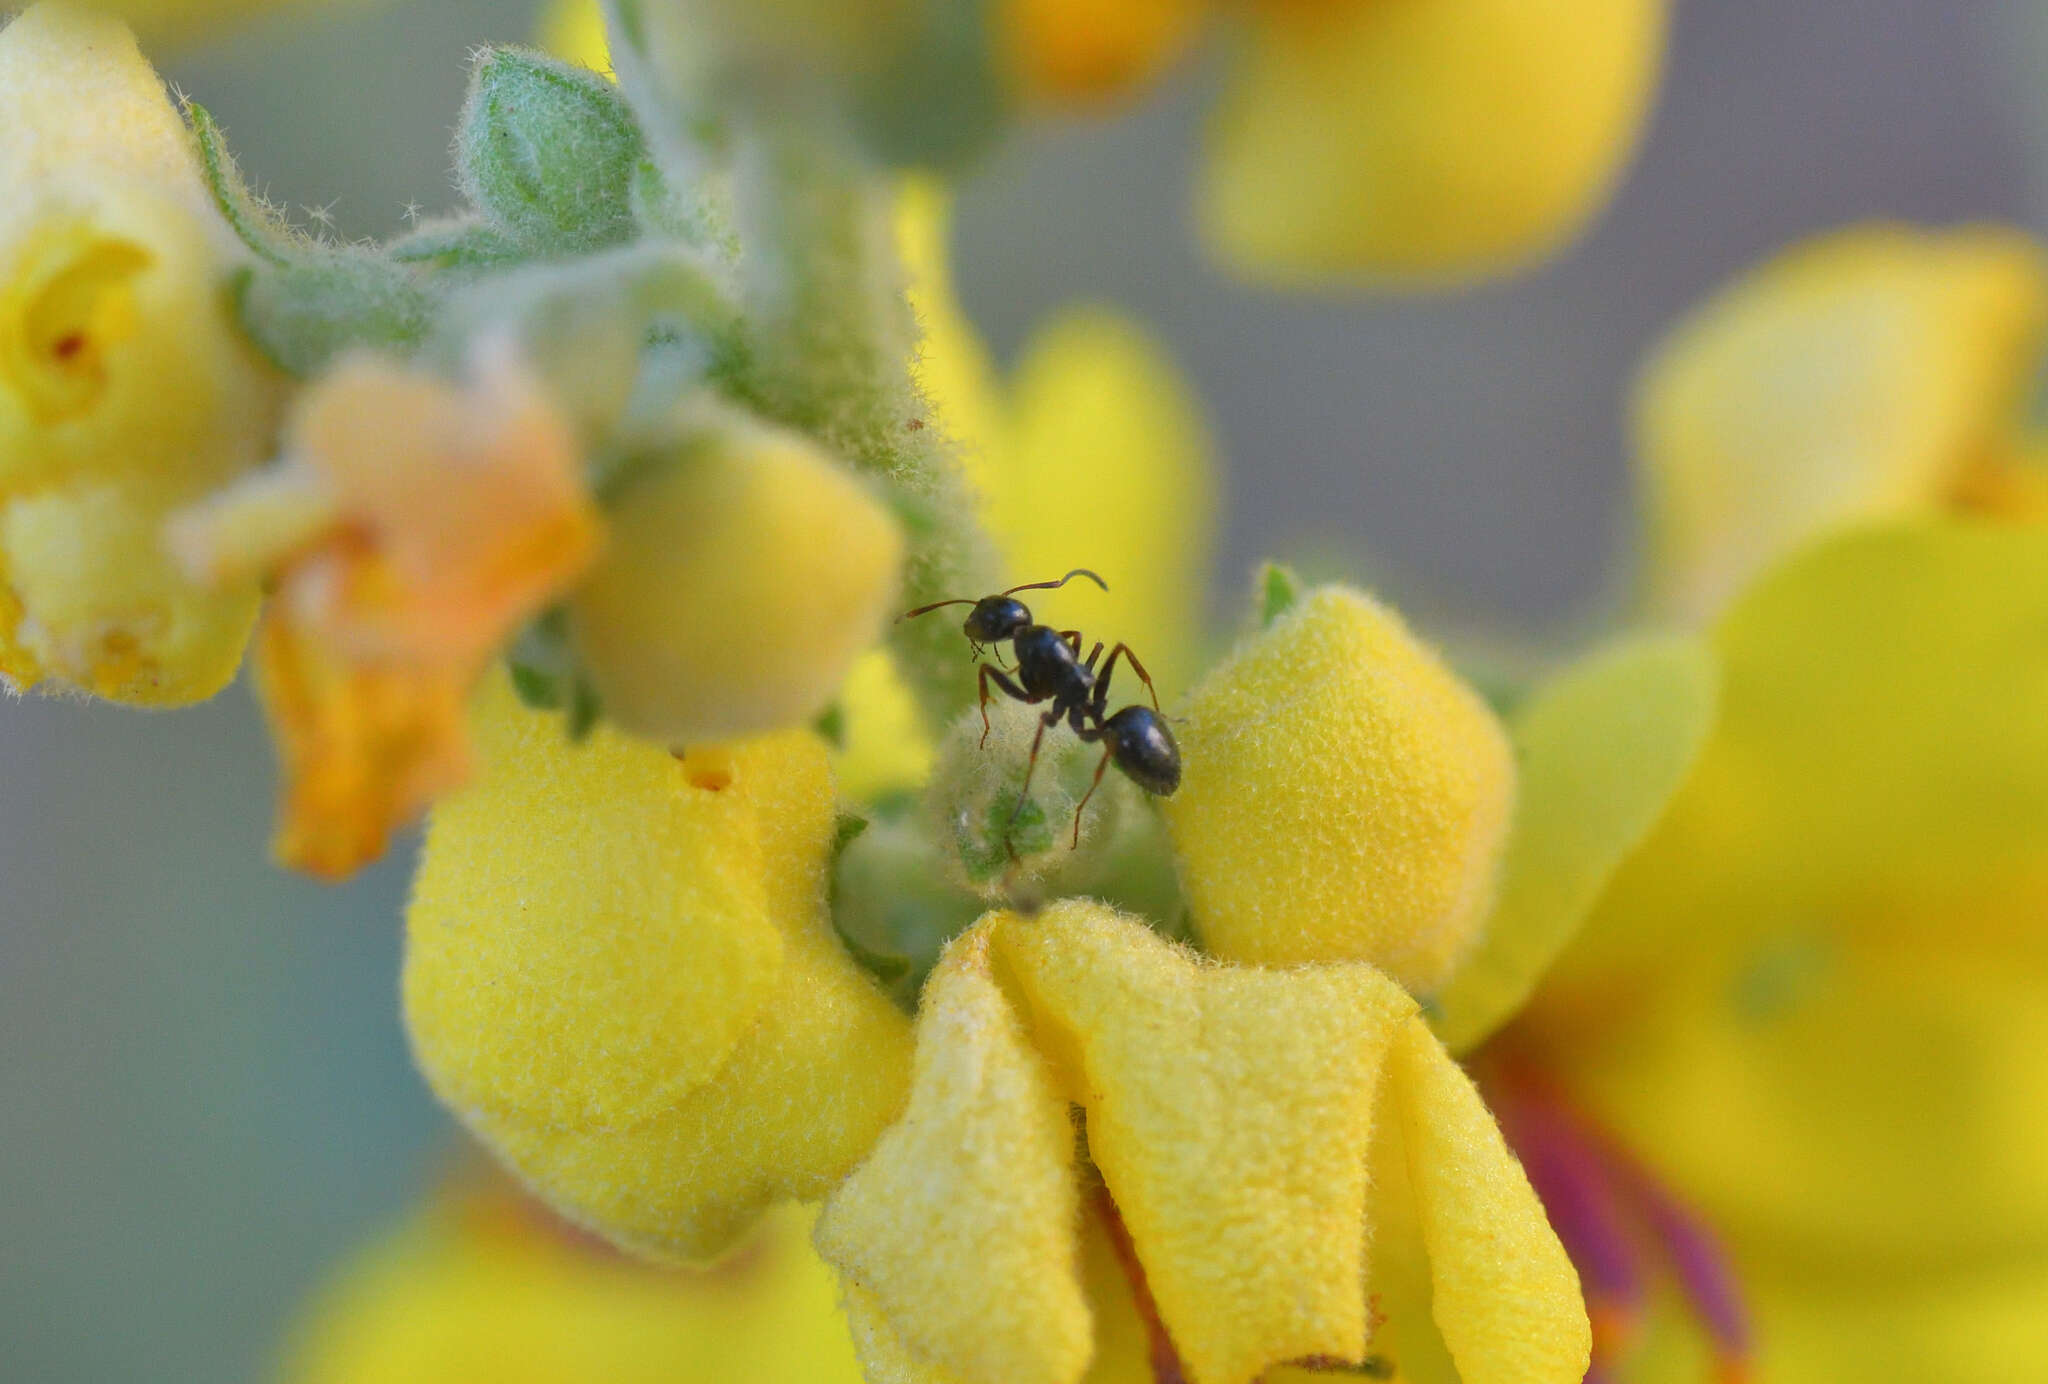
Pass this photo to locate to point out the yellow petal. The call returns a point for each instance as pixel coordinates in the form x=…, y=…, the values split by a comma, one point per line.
x=953, y=369
x=456, y=1295
x=1345, y=797
x=94, y=602
x=1600, y=749
x=1880, y=755
x=589, y=931
x=1425, y=139
x=741, y=580
x=1229, y=1110
x=1075, y=52
x=76, y=95
x=621, y=974
x=1867, y=373
x=574, y=30
x=957, y=1236
x=1504, y=1295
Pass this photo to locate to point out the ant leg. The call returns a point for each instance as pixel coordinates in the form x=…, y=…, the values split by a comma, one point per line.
x=1123, y=650
x=1045, y=723
x=1093, y=654
x=1082, y=806
x=1008, y=688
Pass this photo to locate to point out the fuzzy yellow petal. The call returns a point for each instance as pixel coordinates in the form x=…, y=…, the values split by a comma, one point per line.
x=959, y=1231
x=1504, y=1295
x=1600, y=751
x=1229, y=1110
x=77, y=94
x=620, y=973
x=125, y=388
x=1880, y=754
x=95, y=602
x=461, y=1293
x=1425, y=139
x=1345, y=797
x=742, y=578
x=1863, y=374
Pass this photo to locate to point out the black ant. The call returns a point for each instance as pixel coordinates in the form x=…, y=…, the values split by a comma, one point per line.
x=1050, y=668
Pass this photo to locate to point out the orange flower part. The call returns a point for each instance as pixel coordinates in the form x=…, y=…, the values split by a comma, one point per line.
x=413, y=527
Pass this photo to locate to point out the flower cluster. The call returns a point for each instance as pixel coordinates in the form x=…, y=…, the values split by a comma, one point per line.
x=1415, y=1033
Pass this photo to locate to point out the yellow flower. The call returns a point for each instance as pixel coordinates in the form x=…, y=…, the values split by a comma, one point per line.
x=411, y=529
x=621, y=974
x=1872, y=372
x=745, y=572
x=1812, y=1003
x=482, y=1285
x=126, y=389
x=1232, y=1114
x=1426, y=139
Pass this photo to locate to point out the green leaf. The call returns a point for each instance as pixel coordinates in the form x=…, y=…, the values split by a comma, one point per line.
x=302, y=315
x=1602, y=748
x=460, y=243
x=549, y=153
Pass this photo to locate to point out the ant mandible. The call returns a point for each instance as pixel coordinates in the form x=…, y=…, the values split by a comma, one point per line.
x=1050, y=668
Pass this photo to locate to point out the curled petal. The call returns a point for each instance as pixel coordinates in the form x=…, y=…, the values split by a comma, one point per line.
x=1230, y=1110
x=957, y=1237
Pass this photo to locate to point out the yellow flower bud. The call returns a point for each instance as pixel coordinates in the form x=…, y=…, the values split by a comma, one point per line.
x=742, y=577
x=1427, y=139
x=1345, y=797
x=621, y=974
x=126, y=389
x=1871, y=373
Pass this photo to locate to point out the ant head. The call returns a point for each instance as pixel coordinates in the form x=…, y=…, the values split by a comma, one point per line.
x=996, y=618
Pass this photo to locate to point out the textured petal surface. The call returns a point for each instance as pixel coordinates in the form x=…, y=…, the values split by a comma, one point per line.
x=620, y=973
x=1504, y=1295
x=1230, y=1110
x=1425, y=138
x=959, y=1231
x=1345, y=797
x=1600, y=751
x=1863, y=374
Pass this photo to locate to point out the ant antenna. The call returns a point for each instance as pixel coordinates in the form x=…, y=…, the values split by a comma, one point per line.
x=926, y=610
x=1054, y=585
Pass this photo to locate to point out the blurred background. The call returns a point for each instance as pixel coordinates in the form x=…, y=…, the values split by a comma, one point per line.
x=204, y=1092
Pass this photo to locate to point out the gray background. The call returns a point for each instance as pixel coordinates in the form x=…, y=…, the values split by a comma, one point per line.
x=204, y=1094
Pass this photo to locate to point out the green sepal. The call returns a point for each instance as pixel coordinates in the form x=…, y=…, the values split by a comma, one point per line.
x=549, y=153
x=460, y=243
x=255, y=222
x=304, y=313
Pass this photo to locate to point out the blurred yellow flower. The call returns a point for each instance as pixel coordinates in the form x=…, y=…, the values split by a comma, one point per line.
x=745, y=571
x=412, y=527
x=1380, y=139
x=1810, y=1010
x=480, y=1285
x=126, y=389
x=1872, y=372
